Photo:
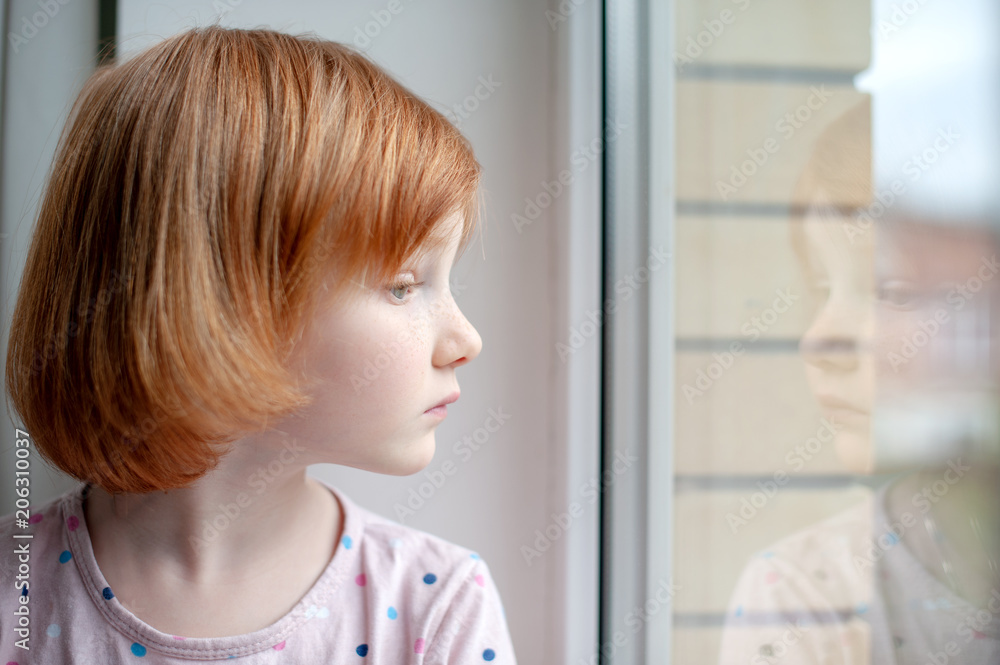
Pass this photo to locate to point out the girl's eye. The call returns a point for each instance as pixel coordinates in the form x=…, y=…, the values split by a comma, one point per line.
x=400, y=289
x=897, y=294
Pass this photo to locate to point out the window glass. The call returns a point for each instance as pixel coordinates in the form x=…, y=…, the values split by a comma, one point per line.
x=836, y=421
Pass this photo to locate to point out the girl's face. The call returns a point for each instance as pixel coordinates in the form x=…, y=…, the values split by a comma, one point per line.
x=837, y=347
x=892, y=328
x=382, y=360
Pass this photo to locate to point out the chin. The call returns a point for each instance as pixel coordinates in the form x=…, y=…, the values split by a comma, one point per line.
x=411, y=459
x=854, y=450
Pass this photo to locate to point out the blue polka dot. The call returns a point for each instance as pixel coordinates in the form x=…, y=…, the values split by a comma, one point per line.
x=766, y=555
x=362, y=650
x=474, y=555
x=739, y=611
x=393, y=613
x=65, y=556
x=24, y=590
x=489, y=655
x=892, y=538
x=53, y=630
x=138, y=650
x=108, y=595
x=430, y=578
x=861, y=609
x=346, y=541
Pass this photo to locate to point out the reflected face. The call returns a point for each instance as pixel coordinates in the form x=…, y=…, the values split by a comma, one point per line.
x=937, y=331
x=837, y=346
x=897, y=332
x=378, y=364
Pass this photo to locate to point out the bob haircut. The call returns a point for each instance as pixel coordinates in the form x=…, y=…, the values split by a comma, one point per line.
x=202, y=194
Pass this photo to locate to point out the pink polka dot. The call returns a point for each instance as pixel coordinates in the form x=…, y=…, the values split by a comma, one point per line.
x=360, y=579
x=72, y=522
x=279, y=646
x=178, y=637
x=418, y=646
x=480, y=580
x=979, y=636
x=772, y=577
x=35, y=519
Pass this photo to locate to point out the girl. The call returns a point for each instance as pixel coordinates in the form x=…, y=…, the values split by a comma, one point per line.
x=237, y=226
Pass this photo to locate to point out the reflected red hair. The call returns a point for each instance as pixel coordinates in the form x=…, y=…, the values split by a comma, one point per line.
x=202, y=192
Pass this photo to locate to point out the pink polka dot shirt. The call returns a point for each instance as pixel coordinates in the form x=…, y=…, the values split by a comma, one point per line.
x=391, y=594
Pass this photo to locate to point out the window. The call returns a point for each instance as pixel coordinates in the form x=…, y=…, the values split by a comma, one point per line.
x=810, y=379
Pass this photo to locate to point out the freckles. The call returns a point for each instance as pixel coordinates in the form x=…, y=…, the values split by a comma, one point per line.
x=330, y=365
x=388, y=367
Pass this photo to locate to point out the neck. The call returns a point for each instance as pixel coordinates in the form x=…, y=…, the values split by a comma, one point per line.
x=243, y=514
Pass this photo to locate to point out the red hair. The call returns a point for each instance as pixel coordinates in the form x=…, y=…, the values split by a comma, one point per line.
x=201, y=194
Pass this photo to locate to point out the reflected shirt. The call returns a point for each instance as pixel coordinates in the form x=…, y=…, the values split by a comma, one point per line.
x=848, y=591
x=390, y=594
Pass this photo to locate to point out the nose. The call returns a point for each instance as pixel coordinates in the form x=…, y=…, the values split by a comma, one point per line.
x=458, y=341
x=834, y=340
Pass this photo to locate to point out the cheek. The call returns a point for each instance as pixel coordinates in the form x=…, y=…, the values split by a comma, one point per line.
x=814, y=377
x=908, y=347
x=885, y=348
x=379, y=374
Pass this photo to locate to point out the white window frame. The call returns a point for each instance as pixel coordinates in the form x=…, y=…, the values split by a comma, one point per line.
x=637, y=526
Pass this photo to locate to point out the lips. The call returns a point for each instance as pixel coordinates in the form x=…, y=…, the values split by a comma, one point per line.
x=453, y=397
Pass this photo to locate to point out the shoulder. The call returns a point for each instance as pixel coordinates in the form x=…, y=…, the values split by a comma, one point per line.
x=393, y=535
x=451, y=601
x=409, y=556
x=805, y=594
x=835, y=537
x=38, y=548
x=37, y=521
x=816, y=566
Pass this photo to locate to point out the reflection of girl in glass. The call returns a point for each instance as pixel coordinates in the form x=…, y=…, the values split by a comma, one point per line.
x=900, y=361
